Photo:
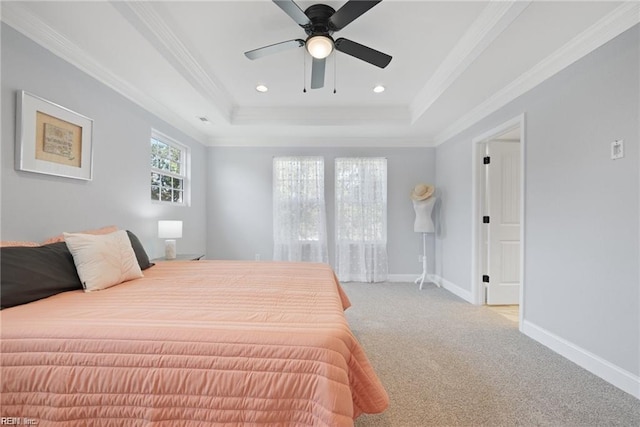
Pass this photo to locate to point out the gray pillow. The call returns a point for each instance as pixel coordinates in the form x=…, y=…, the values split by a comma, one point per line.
x=141, y=255
x=31, y=273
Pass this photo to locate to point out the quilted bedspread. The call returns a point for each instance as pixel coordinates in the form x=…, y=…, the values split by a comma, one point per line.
x=191, y=343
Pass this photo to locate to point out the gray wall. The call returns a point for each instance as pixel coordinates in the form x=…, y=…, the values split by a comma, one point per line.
x=36, y=206
x=582, y=237
x=240, y=204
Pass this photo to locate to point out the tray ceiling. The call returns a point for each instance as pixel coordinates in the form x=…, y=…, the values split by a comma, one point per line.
x=454, y=62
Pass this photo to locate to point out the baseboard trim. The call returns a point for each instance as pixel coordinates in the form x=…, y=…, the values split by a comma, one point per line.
x=624, y=380
x=453, y=288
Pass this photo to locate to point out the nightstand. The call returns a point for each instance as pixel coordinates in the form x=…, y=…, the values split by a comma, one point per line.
x=181, y=257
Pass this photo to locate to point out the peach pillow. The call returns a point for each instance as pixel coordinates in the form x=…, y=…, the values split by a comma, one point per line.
x=103, y=260
x=5, y=243
x=104, y=230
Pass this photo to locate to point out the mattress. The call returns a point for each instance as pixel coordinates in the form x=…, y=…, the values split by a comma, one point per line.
x=191, y=343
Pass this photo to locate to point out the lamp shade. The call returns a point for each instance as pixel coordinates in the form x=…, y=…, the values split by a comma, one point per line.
x=319, y=46
x=169, y=229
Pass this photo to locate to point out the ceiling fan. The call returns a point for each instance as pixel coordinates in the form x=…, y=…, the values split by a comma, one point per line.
x=320, y=21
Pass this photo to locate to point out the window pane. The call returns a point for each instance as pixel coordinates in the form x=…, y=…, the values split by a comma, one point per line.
x=177, y=196
x=155, y=193
x=174, y=167
x=155, y=178
x=177, y=183
x=165, y=194
x=166, y=181
x=174, y=154
x=163, y=150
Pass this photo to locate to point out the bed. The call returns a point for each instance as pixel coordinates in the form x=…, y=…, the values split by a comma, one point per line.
x=190, y=343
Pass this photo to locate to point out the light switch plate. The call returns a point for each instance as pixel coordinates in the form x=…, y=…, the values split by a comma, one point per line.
x=617, y=149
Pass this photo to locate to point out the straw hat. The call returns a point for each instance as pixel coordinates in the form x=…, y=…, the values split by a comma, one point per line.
x=422, y=192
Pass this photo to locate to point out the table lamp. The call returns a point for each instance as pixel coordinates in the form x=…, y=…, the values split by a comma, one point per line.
x=170, y=230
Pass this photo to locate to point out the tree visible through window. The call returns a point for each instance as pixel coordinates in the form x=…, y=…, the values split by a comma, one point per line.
x=168, y=170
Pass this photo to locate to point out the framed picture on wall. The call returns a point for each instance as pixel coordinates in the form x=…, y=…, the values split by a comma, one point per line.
x=51, y=139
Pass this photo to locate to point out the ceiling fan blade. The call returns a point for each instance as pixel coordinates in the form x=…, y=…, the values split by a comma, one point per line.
x=273, y=48
x=365, y=53
x=350, y=11
x=317, y=73
x=293, y=10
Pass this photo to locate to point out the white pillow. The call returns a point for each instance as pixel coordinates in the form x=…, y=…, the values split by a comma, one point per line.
x=103, y=260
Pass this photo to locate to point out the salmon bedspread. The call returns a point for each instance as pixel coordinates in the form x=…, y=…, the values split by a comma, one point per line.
x=191, y=343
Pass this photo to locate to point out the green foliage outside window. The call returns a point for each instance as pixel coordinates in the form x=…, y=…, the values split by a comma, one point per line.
x=167, y=172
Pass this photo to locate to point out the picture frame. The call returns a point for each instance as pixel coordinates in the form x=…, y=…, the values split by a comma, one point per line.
x=51, y=139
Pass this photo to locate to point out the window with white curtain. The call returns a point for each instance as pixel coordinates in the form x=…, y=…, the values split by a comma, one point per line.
x=361, y=219
x=299, y=214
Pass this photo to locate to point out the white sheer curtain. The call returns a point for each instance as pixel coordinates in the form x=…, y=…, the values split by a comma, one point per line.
x=299, y=215
x=361, y=219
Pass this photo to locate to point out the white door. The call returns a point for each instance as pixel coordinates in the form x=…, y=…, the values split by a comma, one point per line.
x=503, y=209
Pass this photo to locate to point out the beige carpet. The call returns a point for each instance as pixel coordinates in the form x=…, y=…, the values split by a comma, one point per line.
x=445, y=362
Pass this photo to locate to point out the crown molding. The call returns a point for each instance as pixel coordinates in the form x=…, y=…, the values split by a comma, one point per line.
x=321, y=116
x=322, y=142
x=493, y=20
x=41, y=33
x=610, y=26
x=145, y=18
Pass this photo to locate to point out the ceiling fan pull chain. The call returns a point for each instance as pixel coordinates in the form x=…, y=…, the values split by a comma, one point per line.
x=335, y=62
x=304, y=73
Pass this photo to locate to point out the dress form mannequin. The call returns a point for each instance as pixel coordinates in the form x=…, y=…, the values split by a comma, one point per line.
x=423, y=202
x=423, y=208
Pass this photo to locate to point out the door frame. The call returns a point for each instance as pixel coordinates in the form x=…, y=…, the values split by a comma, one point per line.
x=477, y=174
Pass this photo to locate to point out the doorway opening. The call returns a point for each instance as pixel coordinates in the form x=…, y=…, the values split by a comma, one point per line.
x=498, y=218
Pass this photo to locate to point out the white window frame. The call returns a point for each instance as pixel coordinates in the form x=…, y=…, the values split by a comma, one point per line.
x=185, y=162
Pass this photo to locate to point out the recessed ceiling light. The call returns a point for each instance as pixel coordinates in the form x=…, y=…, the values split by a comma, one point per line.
x=378, y=89
x=262, y=88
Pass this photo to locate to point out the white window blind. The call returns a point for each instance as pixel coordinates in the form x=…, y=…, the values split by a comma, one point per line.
x=361, y=219
x=299, y=214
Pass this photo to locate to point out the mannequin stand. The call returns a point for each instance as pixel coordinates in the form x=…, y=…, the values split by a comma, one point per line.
x=423, y=276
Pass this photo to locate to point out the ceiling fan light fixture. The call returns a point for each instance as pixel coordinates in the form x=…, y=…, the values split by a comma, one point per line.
x=262, y=88
x=319, y=46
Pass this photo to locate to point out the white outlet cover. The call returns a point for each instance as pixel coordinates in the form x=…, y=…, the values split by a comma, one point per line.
x=617, y=149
